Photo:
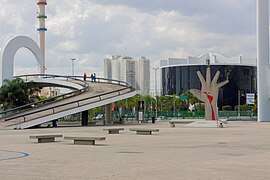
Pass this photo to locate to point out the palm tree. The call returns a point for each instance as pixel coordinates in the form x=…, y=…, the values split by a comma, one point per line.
x=132, y=102
x=16, y=92
x=147, y=100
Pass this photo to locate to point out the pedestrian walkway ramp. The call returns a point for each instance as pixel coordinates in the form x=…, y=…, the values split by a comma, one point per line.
x=90, y=95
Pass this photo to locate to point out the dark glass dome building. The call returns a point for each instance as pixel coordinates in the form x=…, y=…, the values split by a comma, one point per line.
x=178, y=75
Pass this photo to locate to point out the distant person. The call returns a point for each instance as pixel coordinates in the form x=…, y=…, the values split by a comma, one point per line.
x=92, y=77
x=84, y=76
x=95, y=77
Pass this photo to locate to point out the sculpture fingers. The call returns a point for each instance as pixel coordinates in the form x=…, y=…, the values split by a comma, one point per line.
x=208, y=76
x=214, y=81
x=222, y=83
x=201, y=78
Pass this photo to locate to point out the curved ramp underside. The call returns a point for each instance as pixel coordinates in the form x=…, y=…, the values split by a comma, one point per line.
x=70, y=84
x=99, y=94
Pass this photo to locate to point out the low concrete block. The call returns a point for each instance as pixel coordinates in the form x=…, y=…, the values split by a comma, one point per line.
x=85, y=140
x=45, y=138
x=113, y=130
x=144, y=131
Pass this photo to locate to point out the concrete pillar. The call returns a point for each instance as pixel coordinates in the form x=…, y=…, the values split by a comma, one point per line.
x=85, y=118
x=263, y=67
x=54, y=123
x=108, y=114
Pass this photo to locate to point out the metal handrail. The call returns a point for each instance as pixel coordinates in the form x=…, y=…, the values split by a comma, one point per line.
x=98, y=79
x=61, y=105
x=45, y=101
x=127, y=86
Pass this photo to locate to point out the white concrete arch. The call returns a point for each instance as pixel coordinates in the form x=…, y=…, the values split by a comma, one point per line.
x=9, y=50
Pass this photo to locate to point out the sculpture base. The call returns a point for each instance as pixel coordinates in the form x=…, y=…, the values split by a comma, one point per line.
x=202, y=124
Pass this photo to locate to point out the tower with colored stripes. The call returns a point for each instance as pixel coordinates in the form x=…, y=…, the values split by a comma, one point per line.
x=42, y=29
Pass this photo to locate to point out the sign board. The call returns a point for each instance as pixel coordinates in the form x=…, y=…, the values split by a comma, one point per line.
x=140, y=116
x=250, y=98
x=183, y=98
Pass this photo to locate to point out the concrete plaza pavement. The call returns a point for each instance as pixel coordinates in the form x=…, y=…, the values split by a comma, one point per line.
x=241, y=150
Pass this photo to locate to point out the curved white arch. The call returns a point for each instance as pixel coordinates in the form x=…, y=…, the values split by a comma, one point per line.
x=9, y=50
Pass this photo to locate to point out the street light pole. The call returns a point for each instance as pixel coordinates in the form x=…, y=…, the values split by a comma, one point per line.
x=174, y=105
x=156, y=87
x=72, y=65
x=155, y=80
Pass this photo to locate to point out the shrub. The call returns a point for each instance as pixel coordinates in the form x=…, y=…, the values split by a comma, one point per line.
x=247, y=107
x=227, y=108
x=244, y=107
x=199, y=107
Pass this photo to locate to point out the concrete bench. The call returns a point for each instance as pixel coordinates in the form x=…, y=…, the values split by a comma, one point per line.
x=113, y=130
x=143, y=131
x=173, y=122
x=85, y=140
x=45, y=138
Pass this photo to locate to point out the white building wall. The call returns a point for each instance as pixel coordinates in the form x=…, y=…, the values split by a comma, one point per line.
x=143, y=75
x=123, y=74
x=50, y=92
x=172, y=61
x=115, y=64
x=215, y=58
x=107, y=68
x=163, y=63
x=127, y=70
x=130, y=72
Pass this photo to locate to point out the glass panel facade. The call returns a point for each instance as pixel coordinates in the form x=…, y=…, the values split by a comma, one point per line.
x=176, y=80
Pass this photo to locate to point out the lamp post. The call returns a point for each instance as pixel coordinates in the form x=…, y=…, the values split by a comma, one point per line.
x=72, y=65
x=239, y=94
x=126, y=114
x=174, y=104
x=156, y=87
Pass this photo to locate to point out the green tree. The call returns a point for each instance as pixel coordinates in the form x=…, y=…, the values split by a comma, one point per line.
x=148, y=100
x=255, y=106
x=132, y=102
x=121, y=104
x=95, y=111
x=181, y=105
x=16, y=92
x=191, y=98
x=167, y=102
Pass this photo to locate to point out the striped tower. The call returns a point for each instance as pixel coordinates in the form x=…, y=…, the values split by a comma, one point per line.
x=41, y=16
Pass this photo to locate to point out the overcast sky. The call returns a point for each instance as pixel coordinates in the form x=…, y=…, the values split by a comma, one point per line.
x=157, y=29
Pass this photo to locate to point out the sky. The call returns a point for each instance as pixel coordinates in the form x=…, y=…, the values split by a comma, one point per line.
x=91, y=30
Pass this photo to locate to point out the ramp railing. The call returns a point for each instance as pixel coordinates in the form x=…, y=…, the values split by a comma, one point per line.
x=21, y=112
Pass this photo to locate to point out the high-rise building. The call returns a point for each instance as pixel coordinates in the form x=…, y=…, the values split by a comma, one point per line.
x=120, y=68
x=124, y=68
x=143, y=75
x=127, y=70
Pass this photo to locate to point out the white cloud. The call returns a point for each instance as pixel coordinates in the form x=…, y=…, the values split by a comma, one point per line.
x=68, y=46
x=90, y=29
